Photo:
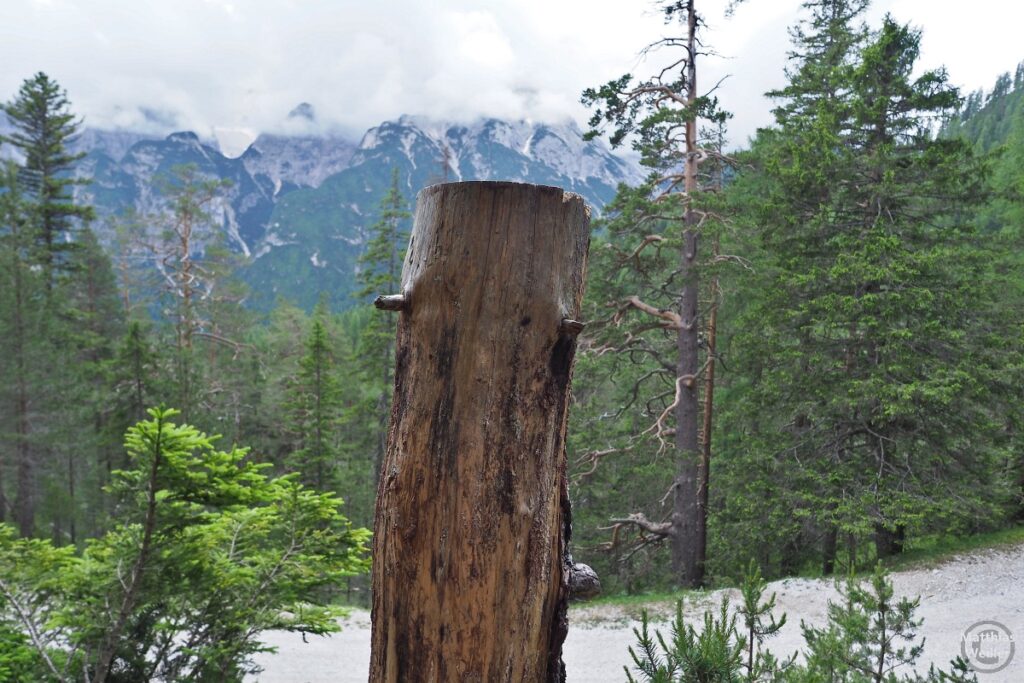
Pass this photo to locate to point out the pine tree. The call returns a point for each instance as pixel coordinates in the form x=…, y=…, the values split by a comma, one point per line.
x=869, y=634
x=713, y=654
x=44, y=129
x=655, y=266
x=186, y=259
x=759, y=623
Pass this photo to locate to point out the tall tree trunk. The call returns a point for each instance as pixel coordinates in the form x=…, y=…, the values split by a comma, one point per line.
x=3, y=494
x=186, y=314
x=318, y=399
x=889, y=540
x=72, y=506
x=828, y=549
x=25, y=504
x=471, y=565
x=688, y=524
x=1019, y=514
x=791, y=554
x=707, y=427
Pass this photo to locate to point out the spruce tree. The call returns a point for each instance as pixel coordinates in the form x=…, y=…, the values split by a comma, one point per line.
x=84, y=336
x=44, y=129
x=315, y=409
x=209, y=553
x=800, y=166
x=133, y=381
x=62, y=342
x=868, y=349
x=191, y=264
x=22, y=325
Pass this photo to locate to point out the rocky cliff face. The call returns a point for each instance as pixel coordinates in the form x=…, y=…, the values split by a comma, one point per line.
x=299, y=206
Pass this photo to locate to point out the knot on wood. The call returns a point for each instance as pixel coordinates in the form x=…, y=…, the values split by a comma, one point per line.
x=583, y=582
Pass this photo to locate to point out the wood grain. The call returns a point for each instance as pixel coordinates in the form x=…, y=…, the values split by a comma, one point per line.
x=470, y=575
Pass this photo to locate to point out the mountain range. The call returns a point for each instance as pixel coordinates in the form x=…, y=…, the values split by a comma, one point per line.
x=299, y=207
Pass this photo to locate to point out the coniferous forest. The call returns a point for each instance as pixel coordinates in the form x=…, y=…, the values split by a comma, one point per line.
x=802, y=356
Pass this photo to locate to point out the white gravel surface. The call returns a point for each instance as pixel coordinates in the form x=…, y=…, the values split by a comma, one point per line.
x=985, y=586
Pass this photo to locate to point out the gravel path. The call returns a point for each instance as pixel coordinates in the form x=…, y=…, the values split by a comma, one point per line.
x=986, y=586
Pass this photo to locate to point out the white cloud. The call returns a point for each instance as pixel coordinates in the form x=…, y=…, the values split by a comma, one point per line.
x=242, y=65
x=480, y=41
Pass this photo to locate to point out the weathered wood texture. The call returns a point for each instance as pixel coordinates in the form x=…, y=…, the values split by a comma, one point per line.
x=470, y=560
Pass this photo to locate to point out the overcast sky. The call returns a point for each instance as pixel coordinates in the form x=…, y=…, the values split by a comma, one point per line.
x=237, y=67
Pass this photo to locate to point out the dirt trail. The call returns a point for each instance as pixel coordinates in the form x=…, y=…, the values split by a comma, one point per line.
x=984, y=586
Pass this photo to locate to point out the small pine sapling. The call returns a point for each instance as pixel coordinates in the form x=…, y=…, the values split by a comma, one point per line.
x=871, y=636
x=760, y=624
x=712, y=655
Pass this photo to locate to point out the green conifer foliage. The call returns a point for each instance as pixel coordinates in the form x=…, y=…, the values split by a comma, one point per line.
x=315, y=405
x=864, y=401
x=24, y=324
x=374, y=361
x=61, y=318
x=209, y=553
x=44, y=129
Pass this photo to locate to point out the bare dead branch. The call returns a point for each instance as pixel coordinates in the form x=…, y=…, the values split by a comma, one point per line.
x=639, y=520
x=732, y=258
x=223, y=341
x=594, y=459
x=673, y=321
x=658, y=428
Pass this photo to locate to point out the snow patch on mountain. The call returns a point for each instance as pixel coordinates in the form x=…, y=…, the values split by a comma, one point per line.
x=229, y=220
x=558, y=146
x=354, y=241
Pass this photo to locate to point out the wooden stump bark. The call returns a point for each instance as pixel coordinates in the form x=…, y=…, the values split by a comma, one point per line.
x=470, y=559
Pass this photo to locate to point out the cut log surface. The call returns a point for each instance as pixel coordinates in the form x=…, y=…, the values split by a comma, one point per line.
x=470, y=558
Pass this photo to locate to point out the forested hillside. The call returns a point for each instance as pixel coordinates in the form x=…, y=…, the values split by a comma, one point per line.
x=808, y=353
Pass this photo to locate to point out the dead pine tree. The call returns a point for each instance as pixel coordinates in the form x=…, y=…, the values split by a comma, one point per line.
x=471, y=571
x=183, y=255
x=657, y=232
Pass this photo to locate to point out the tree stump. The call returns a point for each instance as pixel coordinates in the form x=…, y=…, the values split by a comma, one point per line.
x=471, y=568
